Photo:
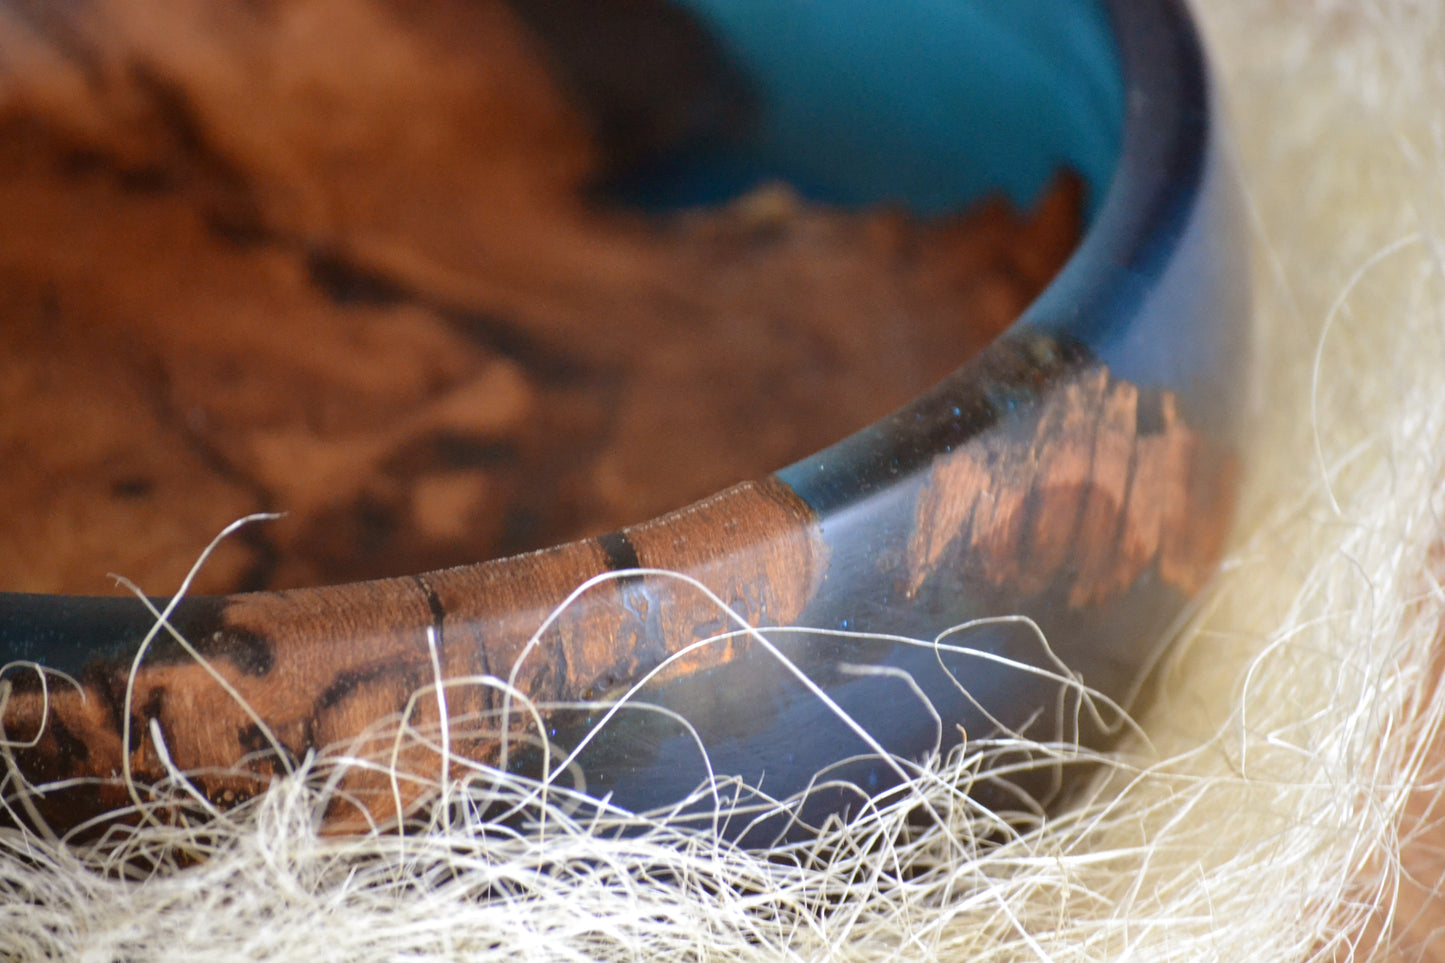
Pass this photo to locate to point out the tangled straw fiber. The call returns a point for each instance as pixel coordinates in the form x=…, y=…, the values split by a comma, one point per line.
x=1278, y=803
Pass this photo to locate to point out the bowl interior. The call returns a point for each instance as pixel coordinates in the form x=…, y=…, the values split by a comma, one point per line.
x=926, y=103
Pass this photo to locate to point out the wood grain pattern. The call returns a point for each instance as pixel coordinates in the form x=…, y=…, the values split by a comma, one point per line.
x=336, y=666
x=343, y=259
x=1106, y=483
x=477, y=358
x=1077, y=497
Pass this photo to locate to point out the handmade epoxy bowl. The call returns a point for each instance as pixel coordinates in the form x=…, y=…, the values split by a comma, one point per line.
x=1070, y=487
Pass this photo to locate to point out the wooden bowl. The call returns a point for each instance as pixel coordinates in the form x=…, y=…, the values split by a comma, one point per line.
x=1038, y=520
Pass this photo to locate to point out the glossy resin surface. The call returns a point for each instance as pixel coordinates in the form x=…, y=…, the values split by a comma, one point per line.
x=1079, y=473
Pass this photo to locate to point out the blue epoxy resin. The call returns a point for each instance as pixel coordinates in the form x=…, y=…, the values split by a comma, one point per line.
x=928, y=104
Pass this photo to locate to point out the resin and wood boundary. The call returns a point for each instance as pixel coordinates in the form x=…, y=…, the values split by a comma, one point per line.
x=1081, y=494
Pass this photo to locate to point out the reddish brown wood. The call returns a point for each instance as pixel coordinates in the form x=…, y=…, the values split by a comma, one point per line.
x=373, y=291
x=242, y=272
x=338, y=667
x=379, y=290
x=1099, y=492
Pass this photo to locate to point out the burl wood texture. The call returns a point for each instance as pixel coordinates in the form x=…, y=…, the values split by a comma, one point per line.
x=342, y=259
x=1108, y=483
x=337, y=668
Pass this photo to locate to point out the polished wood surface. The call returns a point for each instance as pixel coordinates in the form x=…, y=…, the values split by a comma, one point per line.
x=431, y=335
x=1110, y=483
x=376, y=293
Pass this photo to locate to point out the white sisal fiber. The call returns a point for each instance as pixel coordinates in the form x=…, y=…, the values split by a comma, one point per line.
x=1278, y=806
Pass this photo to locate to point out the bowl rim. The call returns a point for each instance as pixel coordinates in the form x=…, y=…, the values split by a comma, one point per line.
x=809, y=515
